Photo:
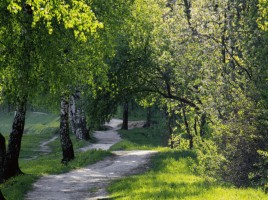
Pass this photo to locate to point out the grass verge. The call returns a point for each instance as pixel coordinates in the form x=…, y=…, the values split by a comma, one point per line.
x=171, y=178
x=141, y=139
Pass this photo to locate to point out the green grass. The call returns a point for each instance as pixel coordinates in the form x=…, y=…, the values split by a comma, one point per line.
x=171, y=178
x=17, y=187
x=41, y=128
x=34, y=122
x=141, y=139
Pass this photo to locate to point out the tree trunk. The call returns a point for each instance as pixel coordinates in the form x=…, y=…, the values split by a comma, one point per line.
x=125, y=116
x=85, y=131
x=203, y=124
x=78, y=125
x=191, y=145
x=2, y=157
x=66, y=143
x=11, y=162
x=77, y=118
x=148, y=118
x=72, y=113
x=1, y=196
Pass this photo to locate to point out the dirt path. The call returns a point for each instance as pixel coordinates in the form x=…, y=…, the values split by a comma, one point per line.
x=43, y=149
x=91, y=181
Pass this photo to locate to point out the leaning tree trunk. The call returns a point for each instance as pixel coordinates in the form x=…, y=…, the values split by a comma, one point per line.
x=125, y=116
x=11, y=162
x=66, y=143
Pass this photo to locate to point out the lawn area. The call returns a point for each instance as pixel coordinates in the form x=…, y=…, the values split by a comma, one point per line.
x=171, y=177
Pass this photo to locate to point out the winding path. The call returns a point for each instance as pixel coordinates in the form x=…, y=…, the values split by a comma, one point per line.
x=91, y=182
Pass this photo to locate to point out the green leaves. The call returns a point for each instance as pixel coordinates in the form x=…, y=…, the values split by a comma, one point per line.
x=263, y=19
x=75, y=15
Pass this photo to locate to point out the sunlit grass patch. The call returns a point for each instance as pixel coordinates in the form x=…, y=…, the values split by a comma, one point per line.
x=171, y=178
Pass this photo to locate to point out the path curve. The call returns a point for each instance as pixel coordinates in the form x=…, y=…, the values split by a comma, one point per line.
x=43, y=148
x=90, y=183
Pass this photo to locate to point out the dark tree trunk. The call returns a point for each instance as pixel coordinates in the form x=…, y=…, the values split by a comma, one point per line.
x=66, y=143
x=148, y=118
x=1, y=196
x=2, y=156
x=125, y=116
x=85, y=131
x=191, y=145
x=171, y=125
x=11, y=162
x=203, y=124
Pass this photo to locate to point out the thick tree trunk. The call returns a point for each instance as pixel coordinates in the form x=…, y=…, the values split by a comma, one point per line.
x=2, y=157
x=66, y=143
x=11, y=162
x=1, y=196
x=125, y=116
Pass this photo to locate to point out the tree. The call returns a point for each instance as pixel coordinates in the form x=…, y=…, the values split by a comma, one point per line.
x=2, y=155
x=22, y=58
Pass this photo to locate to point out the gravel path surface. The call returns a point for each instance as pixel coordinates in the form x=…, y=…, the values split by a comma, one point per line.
x=91, y=182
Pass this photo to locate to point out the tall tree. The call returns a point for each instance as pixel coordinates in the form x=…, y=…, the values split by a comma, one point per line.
x=26, y=24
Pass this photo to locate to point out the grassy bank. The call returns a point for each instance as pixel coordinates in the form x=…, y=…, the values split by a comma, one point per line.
x=40, y=128
x=153, y=138
x=171, y=177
